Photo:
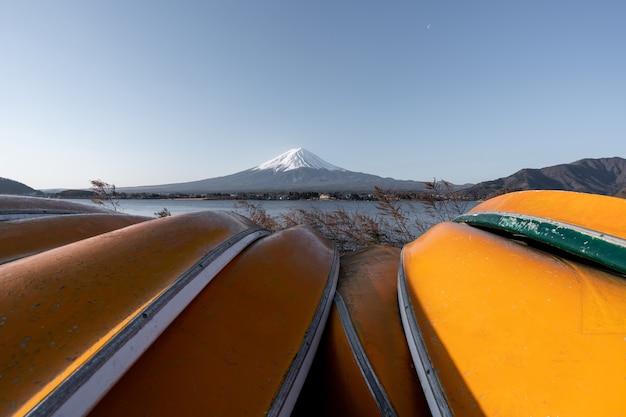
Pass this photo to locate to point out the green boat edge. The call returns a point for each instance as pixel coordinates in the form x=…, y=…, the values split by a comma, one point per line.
x=600, y=248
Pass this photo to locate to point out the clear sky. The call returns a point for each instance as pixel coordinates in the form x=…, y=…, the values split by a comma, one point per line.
x=151, y=92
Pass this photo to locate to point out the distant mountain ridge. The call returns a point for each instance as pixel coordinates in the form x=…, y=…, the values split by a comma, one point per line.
x=299, y=170
x=606, y=176
x=8, y=186
x=296, y=170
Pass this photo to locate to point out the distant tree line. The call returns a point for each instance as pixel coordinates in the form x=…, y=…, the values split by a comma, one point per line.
x=291, y=195
x=96, y=193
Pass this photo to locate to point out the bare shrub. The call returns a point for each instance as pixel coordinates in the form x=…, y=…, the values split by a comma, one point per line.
x=105, y=194
x=348, y=230
x=443, y=202
x=257, y=213
x=163, y=213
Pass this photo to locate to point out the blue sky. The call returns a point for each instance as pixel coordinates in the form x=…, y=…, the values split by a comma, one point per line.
x=152, y=92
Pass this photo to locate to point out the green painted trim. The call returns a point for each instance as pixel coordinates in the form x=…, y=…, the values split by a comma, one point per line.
x=601, y=248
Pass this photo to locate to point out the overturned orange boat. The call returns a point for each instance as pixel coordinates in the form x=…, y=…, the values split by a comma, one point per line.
x=363, y=366
x=191, y=301
x=517, y=308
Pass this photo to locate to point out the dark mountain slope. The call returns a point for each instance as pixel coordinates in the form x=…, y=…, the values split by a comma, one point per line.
x=604, y=176
x=8, y=186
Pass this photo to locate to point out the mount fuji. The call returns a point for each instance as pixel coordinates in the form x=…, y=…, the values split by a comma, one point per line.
x=296, y=170
x=294, y=159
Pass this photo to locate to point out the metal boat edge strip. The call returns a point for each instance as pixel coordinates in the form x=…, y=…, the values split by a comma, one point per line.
x=373, y=383
x=592, y=245
x=425, y=371
x=286, y=398
x=82, y=390
x=17, y=214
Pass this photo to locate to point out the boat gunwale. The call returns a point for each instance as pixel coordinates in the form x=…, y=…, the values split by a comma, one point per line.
x=285, y=400
x=431, y=385
x=592, y=245
x=379, y=395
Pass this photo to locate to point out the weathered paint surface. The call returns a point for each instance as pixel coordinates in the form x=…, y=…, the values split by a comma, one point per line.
x=595, y=212
x=592, y=245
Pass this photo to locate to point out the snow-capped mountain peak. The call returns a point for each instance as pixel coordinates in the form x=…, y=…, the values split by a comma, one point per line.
x=294, y=159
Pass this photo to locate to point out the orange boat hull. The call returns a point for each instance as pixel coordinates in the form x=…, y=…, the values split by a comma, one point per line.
x=364, y=366
x=20, y=238
x=74, y=318
x=592, y=211
x=244, y=345
x=499, y=326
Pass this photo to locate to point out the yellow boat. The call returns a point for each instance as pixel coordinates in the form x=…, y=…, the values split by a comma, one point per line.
x=245, y=344
x=587, y=226
x=591, y=211
x=364, y=366
x=75, y=318
x=517, y=308
x=28, y=236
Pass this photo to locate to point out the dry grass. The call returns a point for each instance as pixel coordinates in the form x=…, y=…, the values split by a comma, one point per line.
x=395, y=223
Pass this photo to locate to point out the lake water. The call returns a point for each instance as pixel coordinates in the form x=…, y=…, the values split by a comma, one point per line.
x=272, y=207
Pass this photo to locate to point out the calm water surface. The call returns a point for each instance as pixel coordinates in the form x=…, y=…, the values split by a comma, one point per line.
x=272, y=207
